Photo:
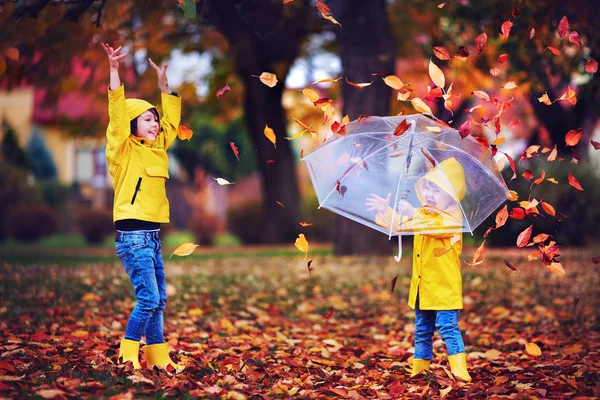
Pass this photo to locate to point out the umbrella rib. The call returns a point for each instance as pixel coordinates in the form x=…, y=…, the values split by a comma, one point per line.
x=405, y=166
x=352, y=169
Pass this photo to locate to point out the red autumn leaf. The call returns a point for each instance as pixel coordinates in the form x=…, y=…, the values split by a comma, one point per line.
x=441, y=52
x=595, y=144
x=574, y=182
x=310, y=269
x=235, y=150
x=480, y=41
x=527, y=175
x=431, y=160
x=272, y=161
x=287, y=1
x=329, y=314
x=223, y=90
x=509, y=265
x=305, y=224
x=524, y=236
x=591, y=66
x=323, y=101
x=338, y=128
x=575, y=39
x=359, y=85
x=362, y=116
x=465, y=129
x=596, y=260
x=512, y=166
x=553, y=50
x=517, y=213
x=502, y=216
x=573, y=136
x=488, y=231
x=563, y=26
x=185, y=133
x=505, y=29
x=394, y=283
x=540, y=179
x=401, y=128
x=502, y=58
x=323, y=8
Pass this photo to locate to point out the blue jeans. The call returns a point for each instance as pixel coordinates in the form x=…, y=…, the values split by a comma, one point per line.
x=140, y=253
x=446, y=323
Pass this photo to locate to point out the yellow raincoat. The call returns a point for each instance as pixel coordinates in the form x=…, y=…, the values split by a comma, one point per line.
x=139, y=167
x=436, y=279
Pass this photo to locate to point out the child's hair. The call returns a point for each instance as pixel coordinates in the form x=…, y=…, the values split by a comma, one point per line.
x=133, y=123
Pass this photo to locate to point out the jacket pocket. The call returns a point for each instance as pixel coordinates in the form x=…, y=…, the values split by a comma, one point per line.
x=157, y=171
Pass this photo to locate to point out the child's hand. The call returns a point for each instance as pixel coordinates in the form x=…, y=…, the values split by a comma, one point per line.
x=161, y=73
x=379, y=204
x=404, y=208
x=113, y=55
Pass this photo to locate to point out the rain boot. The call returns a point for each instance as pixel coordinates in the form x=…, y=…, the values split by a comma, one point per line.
x=458, y=366
x=158, y=354
x=419, y=365
x=128, y=351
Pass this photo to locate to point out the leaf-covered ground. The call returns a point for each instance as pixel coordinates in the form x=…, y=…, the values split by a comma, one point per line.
x=255, y=327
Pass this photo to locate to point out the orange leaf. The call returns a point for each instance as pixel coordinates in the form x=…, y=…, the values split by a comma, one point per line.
x=401, y=128
x=533, y=349
x=12, y=53
x=359, y=85
x=478, y=256
x=574, y=182
x=573, y=137
x=524, y=236
x=267, y=78
x=436, y=75
x=502, y=216
x=540, y=179
x=270, y=135
x=557, y=268
x=553, y=50
x=305, y=224
x=541, y=238
x=553, y=154
x=441, y=52
x=548, y=208
x=184, y=250
x=184, y=133
x=545, y=99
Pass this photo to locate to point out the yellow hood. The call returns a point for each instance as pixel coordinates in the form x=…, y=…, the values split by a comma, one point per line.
x=136, y=107
x=449, y=176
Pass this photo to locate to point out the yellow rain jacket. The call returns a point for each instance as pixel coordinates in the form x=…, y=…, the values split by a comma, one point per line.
x=436, y=279
x=139, y=167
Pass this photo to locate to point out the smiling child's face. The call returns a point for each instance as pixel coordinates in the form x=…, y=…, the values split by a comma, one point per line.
x=148, y=126
x=436, y=197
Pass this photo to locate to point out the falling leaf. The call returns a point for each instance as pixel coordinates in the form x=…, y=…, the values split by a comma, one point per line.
x=393, y=284
x=512, y=195
x=184, y=250
x=591, y=66
x=527, y=174
x=595, y=144
x=429, y=158
x=420, y=106
x=401, y=128
x=434, y=129
x=329, y=314
x=563, y=26
x=302, y=244
x=359, y=85
x=267, y=78
x=441, y=52
x=548, y=208
x=553, y=154
x=465, y=129
x=436, y=75
x=12, y=53
x=512, y=166
x=287, y=1
x=540, y=179
x=311, y=95
x=509, y=265
x=494, y=71
x=573, y=137
x=499, y=141
x=545, y=99
x=393, y=81
x=310, y=268
x=403, y=96
x=505, y=29
x=338, y=128
x=517, y=213
x=327, y=80
x=557, y=268
x=552, y=180
x=235, y=150
x=280, y=204
x=502, y=58
x=531, y=33
x=509, y=85
x=441, y=5
x=481, y=94
x=541, y=238
x=222, y=181
x=223, y=90
x=305, y=224
x=184, y=133
x=480, y=41
x=554, y=50
x=533, y=349
x=326, y=12
x=502, y=216
x=574, y=182
x=270, y=135
x=478, y=256
x=524, y=236
x=575, y=39
x=323, y=101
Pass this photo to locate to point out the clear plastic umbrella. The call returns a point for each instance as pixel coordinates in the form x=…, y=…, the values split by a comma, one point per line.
x=371, y=165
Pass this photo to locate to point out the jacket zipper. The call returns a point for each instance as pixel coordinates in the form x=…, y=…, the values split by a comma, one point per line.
x=137, y=188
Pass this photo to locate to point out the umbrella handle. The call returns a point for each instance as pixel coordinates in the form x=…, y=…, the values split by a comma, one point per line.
x=399, y=256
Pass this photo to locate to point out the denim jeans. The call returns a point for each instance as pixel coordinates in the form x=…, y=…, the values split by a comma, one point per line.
x=446, y=323
x=140, y=253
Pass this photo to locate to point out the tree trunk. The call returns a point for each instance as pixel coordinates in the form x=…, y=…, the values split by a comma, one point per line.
x=366, y=47
x=264, y=37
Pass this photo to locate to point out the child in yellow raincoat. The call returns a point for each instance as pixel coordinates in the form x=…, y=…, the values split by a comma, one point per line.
x=136, y=153
x=436, y=284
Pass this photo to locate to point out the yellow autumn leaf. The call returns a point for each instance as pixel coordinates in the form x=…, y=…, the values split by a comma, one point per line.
x=222, y=181
x=436, y=75
x=302, y=245
x=434, y=129
x=80, y=333
x=393, y=81
x=499, y=141
x=512, y=195
x=310, y=94
x=557, y=268
x=297, y=135
x=89, y=296
x=403, y=96
x=345, y=120
x=420, y=106
x=492, y=354
x=330, y=18
x=509, y=85
x=184, y=250
x=545, y=99
x=533, y=349
x=195, y=312
x=268, y=79
x=270, y=135
x=552, y=180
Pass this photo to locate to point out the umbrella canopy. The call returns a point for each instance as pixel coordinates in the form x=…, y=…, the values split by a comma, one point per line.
x=431, y=179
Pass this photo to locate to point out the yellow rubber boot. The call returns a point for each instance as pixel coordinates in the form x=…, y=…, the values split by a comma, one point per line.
x=158, y=354
x=458, y=366
x=128, y=351
x=419, y=365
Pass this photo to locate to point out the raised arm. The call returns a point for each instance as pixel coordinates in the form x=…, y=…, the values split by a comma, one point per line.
x=171, y=107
